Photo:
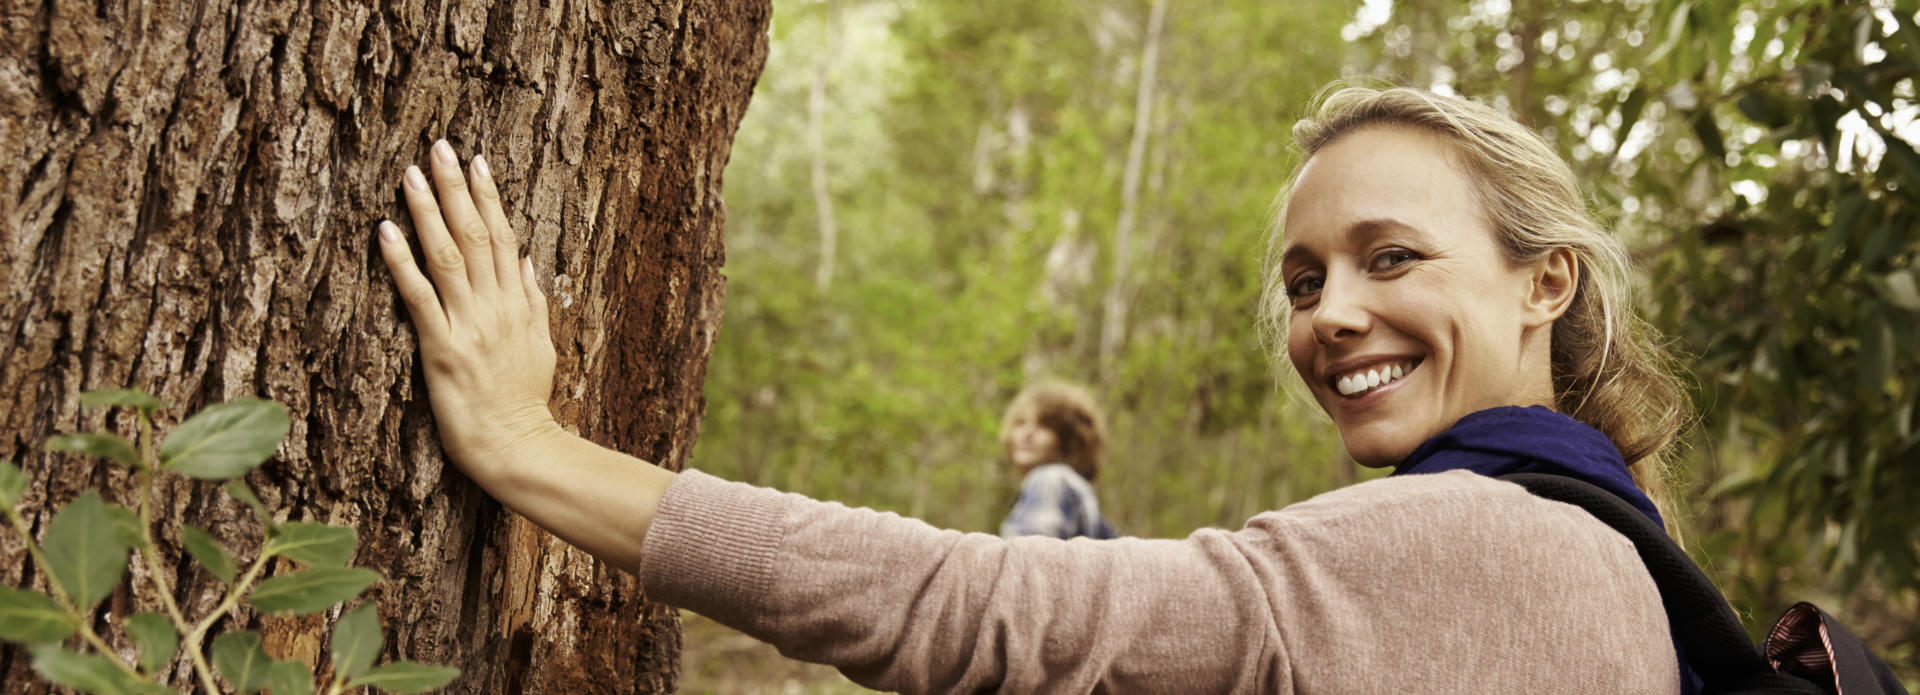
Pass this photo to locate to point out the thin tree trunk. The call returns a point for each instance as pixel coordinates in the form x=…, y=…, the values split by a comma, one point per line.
x=817, y=143
x=188, y=198
x=1526, y=37
x=1113, y=326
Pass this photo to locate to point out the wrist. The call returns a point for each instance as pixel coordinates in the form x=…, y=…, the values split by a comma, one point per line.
x=511, y=446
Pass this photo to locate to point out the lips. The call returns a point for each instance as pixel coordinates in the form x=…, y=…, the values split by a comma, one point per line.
x=1359, y=382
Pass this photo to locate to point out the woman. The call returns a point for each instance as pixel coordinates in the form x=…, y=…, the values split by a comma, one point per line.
x=1445, y=299
x=1056, y=440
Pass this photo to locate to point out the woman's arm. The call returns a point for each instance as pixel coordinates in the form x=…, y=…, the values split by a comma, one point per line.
x=889, y=600
x=489, y=362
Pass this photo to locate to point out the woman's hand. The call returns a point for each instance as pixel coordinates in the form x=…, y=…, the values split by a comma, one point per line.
x=482, y=321
x=489, y=362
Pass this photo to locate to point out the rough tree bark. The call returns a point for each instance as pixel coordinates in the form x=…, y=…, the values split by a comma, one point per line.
x=188, y=194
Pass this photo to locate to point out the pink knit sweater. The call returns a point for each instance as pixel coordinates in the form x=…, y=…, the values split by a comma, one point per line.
x=1446, y=583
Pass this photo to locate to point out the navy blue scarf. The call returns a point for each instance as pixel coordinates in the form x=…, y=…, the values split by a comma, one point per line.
x=1512, y=439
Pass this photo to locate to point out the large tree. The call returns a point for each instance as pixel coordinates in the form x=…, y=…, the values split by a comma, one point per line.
x=189, y=192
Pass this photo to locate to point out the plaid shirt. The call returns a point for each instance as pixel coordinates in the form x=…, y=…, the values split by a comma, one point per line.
x=1055, y=501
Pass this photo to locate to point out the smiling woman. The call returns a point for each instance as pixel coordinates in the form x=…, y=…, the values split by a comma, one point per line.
x=1444, y=297
x=1424, y=227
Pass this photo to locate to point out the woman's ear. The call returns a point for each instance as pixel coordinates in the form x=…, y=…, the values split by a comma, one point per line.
x=1555, y=279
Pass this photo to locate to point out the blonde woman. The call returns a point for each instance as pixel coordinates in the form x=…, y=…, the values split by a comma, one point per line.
x=1441, y=291
x=1056, y=441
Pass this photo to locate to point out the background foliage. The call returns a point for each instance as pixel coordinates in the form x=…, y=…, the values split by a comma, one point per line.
x=1758, y=156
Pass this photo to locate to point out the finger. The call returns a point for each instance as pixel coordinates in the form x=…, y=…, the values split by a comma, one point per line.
x=423, y=304
x=444, y=259
x=463, y=219
x=535, y=298
x=506, y=245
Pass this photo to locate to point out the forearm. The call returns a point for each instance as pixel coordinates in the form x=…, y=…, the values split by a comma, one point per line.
x=899, y=605
x=598, y=499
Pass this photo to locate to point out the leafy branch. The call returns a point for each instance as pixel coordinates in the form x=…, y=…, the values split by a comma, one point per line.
x=86, y=547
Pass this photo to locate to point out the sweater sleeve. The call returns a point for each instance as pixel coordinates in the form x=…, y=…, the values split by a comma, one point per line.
x=1443, y=583
x=896, y=604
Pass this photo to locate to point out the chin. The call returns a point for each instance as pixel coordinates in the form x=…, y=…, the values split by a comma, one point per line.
x=1379, y=447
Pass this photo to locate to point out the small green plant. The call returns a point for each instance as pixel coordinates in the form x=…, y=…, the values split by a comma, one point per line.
x=85, y=554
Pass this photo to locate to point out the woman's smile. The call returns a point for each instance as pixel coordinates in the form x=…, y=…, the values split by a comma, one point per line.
x=1362, y=382
x=1405, y=314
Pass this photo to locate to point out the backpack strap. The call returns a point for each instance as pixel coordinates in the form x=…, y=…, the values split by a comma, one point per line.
x=1704, y=625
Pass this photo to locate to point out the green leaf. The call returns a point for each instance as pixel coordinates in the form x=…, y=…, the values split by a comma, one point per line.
x=1910, y=36
x=313, y=543
x=239, y=657
x=1709, y=134
x=153, y=634
x=128, y=397
x=356, y=640
x=1876, y=357
x=1630, y=110
x=29, y=617
x=238, y=489
x=127, y=526
x=311, y=590
x=406, y=677
x=102, y=444
x=210, y=553
x=289, y=678
x=1845, y=215
x=226, y=440
x=1899, y=288
x=84, y=551
x=88, y=673
x=12, y=483
x=1827, y=112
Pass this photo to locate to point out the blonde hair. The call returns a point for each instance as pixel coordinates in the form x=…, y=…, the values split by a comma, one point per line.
x=1069, y=412
x=1610, y=369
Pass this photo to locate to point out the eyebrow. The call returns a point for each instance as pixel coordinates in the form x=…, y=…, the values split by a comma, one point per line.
x=1365, y=231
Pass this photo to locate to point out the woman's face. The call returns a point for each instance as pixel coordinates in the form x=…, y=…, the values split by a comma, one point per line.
x=1030, y=443
x=1406, y=316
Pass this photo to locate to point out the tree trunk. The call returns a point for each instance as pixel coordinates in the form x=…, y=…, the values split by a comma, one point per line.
x=1113, y=327
x=188, y=196
x=817, y=146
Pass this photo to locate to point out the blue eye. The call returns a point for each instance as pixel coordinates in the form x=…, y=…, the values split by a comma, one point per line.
x=1304, y=287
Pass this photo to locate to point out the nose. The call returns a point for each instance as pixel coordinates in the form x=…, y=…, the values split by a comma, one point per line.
x=1341, y=312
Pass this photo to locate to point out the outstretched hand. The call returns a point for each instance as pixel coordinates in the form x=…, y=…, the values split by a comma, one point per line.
x=482, y=320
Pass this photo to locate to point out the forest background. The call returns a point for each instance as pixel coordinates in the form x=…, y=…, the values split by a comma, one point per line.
x=931, y=204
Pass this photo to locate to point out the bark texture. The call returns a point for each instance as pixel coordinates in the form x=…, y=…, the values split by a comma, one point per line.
x=189, y=195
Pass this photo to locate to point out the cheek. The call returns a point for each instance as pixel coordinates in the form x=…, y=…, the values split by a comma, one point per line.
x=1300, y=345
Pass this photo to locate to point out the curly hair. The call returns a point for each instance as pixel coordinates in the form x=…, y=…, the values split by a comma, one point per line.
x=1069, y=412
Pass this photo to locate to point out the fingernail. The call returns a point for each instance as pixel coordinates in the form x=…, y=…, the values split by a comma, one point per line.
x=414, y=180
x=526, y=265
x=388, y=232
x=480, y=167
x=443, y=151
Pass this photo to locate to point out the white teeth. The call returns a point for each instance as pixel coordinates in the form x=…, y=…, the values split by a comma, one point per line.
x=1373, y=378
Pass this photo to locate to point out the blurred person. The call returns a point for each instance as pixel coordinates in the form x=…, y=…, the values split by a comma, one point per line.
x=1056, y=440
x=1435, y=281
